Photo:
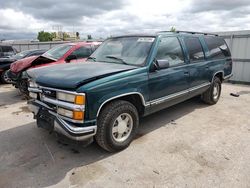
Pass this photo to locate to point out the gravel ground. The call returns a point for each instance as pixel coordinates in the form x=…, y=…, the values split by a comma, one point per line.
x=188, y=145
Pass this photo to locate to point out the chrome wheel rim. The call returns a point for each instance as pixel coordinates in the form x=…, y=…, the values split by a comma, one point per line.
x=216, y=91
x=122, y=127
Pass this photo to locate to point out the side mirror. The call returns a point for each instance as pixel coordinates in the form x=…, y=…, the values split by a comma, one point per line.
x=70, y=57
x=162, y=64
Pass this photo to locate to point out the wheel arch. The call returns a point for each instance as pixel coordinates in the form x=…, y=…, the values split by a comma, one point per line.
x=136, y=98
x=219, y=74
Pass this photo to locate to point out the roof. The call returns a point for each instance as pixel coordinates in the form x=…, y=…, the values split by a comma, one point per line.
x=82, y=43
x=155, y=34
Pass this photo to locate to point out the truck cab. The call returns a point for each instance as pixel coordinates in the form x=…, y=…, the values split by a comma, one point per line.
x=126, y=78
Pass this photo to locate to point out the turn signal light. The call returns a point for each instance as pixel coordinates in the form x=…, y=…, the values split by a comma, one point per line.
x=80, y=99
x=78, y=115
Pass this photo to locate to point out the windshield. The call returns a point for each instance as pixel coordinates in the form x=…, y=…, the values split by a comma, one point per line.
x=20, y=55
x=124, y=50
x=58, y=51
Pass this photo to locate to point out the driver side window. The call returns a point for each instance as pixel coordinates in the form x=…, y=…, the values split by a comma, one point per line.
x=170, y=49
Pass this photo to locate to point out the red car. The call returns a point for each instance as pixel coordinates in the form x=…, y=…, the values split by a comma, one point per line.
x=64, y=53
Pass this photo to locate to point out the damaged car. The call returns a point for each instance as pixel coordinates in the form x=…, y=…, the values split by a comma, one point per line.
x=64, y=53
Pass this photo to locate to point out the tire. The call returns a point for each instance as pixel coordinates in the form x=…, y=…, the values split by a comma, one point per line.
x=5, y=79
x=22, y=85
x=117, y=117
x=212, y=95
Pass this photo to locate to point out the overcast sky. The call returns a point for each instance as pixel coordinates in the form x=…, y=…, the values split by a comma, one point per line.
x=102, y=18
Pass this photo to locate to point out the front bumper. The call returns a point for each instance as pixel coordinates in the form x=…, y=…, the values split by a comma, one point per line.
x=57, y=124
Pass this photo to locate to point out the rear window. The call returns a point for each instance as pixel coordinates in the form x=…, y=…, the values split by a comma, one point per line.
x=217, y=46
x=194, y=49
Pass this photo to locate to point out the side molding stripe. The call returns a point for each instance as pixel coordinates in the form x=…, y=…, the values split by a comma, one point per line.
x=156, y=101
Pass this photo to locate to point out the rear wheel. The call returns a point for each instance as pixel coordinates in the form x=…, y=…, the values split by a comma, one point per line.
x=212, y=95
x=4, y=78
x=117, y=125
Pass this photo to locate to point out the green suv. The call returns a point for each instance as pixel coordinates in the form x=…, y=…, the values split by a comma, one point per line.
x=126, y=78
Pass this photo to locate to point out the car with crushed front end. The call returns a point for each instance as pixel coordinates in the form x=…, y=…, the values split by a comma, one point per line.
x=126, y=78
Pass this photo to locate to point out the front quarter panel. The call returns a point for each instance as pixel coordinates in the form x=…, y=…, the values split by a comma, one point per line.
x=100, y=91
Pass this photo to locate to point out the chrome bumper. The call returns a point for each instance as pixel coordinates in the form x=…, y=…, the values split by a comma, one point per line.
x=61, y=126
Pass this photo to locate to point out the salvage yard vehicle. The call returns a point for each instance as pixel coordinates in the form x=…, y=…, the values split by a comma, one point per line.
x=6, y=62
x=7, y=51
x=126, y=78
x=64, y=53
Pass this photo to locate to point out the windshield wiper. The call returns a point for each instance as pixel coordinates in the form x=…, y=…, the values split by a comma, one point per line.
x=92, y=58
x=117, y=58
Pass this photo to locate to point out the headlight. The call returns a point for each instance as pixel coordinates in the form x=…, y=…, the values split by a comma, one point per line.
x=76, y=115
x=65, y=112
x=32, y=84
x=77, y=99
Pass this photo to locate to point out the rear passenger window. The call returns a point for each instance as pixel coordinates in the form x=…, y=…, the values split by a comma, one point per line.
x=217, y=47
x=170, y=49
x=194, y=49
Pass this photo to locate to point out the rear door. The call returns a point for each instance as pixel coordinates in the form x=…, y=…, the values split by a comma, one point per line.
x=170, y=83
x=199, y=68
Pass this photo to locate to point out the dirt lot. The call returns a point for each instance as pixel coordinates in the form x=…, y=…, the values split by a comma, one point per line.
x=188, y=145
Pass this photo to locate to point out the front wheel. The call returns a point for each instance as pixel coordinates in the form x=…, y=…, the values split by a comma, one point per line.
x=5, y=79
x=117, y=125
x=212, y=95
x=22, y=85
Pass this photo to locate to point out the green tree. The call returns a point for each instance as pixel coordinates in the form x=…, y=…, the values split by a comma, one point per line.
x=89, y=37
x=77, y=35
x=44, y=36
x=53, y=35
x=172, y=29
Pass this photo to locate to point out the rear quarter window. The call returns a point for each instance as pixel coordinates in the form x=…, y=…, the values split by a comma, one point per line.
x=217, y=46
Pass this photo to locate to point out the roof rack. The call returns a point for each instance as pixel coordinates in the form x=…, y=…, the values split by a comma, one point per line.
x=190, y=32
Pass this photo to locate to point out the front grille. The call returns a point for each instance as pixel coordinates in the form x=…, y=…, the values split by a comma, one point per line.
x=49, y=93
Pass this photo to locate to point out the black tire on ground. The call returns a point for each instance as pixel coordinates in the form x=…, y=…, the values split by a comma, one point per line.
x=107, y=120
x=212, y=95
x=4, y=78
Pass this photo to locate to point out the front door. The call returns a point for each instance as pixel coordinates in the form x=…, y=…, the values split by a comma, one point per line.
x=169, y=84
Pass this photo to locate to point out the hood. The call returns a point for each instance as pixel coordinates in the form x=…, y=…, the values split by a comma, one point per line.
x=28, y=62
x=71, y=76
x=22, y=64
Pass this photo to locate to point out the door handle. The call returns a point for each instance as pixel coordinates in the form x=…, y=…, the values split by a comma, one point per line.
x=186, y=73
